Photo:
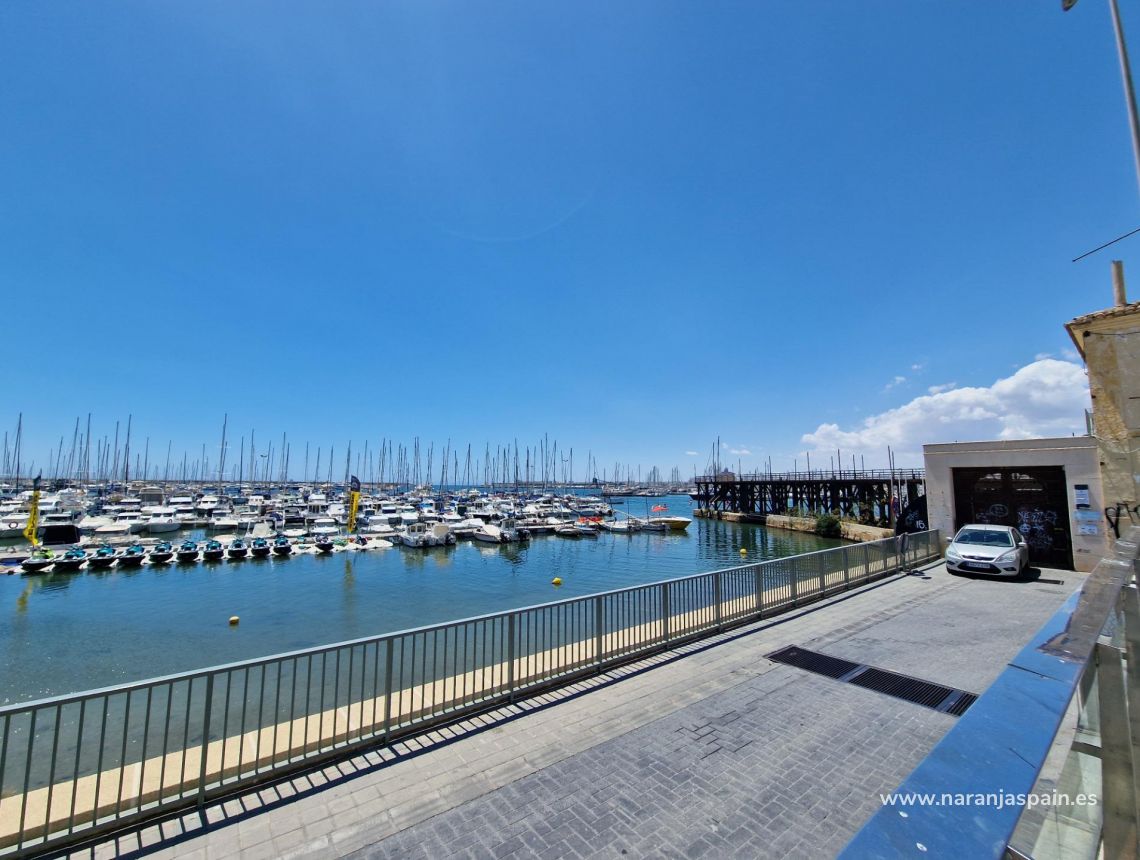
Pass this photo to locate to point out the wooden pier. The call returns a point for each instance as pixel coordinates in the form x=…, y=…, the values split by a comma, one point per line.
x=873, y=497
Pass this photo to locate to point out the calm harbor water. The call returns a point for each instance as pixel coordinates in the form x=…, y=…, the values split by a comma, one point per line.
x=69, y=632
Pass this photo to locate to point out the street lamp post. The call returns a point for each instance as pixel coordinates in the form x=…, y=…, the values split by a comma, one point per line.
x=1125, y=74
x=1129, y=92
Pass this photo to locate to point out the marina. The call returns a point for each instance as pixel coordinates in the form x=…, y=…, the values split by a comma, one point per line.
x=68, y=631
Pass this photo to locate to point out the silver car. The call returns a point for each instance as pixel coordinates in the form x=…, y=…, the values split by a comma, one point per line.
x=978, y=548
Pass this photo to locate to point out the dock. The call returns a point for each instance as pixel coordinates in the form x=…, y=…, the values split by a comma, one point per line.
x=873, y=497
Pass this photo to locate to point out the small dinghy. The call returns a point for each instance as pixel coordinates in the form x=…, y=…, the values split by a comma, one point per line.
x=260, y=548
x=282, y=546
x=133, y=556
x=187, y=552
x=72, y=560
x=162, y=553
x=324, y=544
x=214, y=551
x=237, y=550
x=38, y=561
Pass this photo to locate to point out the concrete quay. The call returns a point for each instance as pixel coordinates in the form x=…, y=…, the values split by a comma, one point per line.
x=709, y=750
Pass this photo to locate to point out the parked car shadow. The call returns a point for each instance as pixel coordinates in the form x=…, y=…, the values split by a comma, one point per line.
x=1033, y=574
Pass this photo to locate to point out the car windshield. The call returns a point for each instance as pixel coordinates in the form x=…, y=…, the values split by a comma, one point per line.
x=984, y=537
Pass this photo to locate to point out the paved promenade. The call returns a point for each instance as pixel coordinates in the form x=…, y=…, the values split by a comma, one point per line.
x=706, y=751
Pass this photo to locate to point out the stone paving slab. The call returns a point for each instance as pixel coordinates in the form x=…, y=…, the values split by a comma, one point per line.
x=710, y=750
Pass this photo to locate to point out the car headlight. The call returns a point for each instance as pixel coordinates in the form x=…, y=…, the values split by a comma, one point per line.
x=953, y=554
x=1007, y=557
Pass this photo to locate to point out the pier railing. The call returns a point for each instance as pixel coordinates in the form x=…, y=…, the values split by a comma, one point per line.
x=833, y=474
x=1046, y=763
x=77, y=765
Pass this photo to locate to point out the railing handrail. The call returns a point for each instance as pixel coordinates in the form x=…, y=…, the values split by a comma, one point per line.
x=115, y=689
x=999, y=746
x=814, y=474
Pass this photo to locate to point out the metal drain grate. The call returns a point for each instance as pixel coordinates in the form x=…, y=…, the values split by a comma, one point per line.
x=920, y=692
x=821, y=664
x=964, y=701
x=902, y=687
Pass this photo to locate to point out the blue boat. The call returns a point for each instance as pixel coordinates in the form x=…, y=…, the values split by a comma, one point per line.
x=237, y=549
x=260, y=548
x=214, y=551
x=72, y=560
x=104, y=557
x=162, y=553
x=187, y=552
x=133, y=556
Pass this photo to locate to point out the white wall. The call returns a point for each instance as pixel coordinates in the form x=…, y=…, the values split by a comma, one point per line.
x=1077, y=455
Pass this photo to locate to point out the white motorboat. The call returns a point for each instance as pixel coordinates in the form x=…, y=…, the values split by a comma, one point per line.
x=379, y=528
x=425, y=534
x=323, y=525
x=206, y=505
x=414, y=535
x=676, y=524
x=135, y=521
x=13, y=523
x=225, y=522
x=505, y=532
x=115, y=528
x=162, y=520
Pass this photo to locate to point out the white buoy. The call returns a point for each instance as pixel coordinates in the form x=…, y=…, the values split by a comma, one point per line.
x=234, y=621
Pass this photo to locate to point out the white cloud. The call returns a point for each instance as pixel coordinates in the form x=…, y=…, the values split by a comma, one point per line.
x=692, y=454
x=898, y=380
x=1041, y=356
x=742, y=452
x=1070, y=354
x=938, y=389
x=917, y=367
x=1045, y=398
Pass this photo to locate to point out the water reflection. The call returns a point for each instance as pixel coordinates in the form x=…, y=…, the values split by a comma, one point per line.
x=127, y=619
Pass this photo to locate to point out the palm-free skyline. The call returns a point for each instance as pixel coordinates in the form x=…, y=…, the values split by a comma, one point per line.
x=634, y=230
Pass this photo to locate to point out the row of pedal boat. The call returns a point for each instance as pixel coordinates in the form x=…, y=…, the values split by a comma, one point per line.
x=415, y=535
x=164, y=552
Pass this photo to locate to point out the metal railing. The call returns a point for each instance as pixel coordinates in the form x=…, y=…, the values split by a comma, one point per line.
x=77, y=765
x=833, y=474
x=1046, y=763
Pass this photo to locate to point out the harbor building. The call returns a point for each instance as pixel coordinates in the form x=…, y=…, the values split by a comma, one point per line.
x=1070, y=496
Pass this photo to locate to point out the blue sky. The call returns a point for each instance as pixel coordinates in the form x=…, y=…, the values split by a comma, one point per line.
x=636, y=227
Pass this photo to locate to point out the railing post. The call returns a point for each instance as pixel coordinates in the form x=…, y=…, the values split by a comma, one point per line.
x=1131, y=600
x=822, y=573
x=717, y=600
x=1119, y=796
x=759, y=571
x=846, y=570
x=598, y=630
x=387, y=693
x=795, y=582
x=665, y=611
x=206, y=738
x=511, y=655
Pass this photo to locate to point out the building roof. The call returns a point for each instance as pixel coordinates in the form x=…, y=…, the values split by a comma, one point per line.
x=1076, y=327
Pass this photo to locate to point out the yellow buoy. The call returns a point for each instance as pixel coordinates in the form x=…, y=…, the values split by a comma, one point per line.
x=556, y=581
x=743, y=551
x=234, y=620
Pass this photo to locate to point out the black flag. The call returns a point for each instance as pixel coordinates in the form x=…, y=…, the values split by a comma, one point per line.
x=354, y=484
